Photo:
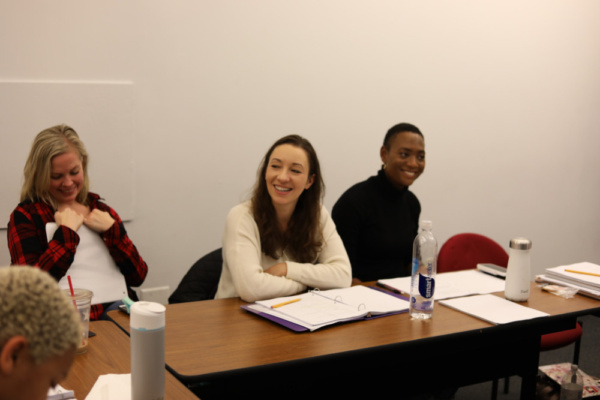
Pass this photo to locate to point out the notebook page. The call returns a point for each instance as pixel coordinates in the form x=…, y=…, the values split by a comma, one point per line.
x=312, y=309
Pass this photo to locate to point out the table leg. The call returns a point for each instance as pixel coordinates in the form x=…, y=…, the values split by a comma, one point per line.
x=531, y=359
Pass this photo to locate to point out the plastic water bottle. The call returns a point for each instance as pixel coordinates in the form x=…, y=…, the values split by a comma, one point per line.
x=572, y=385
x=518, y=275
x=147, y=329
x=424, y=267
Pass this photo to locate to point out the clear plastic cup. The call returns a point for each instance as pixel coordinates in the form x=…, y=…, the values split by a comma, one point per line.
x=82, y=301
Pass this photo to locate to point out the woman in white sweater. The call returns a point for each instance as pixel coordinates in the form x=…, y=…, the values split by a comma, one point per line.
x=283, y=240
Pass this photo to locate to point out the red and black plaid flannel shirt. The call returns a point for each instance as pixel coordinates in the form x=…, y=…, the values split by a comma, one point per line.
x=28, y=244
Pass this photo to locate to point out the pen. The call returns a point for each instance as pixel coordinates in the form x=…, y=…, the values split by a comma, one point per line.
x=386, y=287
x=284, y=303
x=581, y=272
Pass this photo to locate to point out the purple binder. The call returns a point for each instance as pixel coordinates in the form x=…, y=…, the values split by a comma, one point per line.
x=299, y=328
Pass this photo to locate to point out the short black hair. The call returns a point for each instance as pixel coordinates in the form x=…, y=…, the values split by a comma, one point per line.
x=399, y=128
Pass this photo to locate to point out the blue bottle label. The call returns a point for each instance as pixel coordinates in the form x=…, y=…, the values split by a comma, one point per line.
x=426, y=286
x=415, y=265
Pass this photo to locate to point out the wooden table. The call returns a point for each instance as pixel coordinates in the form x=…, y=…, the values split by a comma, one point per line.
x=109, y=353
x=216, y=342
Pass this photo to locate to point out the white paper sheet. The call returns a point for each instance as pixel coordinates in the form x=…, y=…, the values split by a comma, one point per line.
x=111, y=387
x=93, y=267
x=493, y=309
x=454, y=284
x=60, y=393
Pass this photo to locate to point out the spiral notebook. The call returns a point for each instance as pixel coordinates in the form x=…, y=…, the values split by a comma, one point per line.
x=318, y=308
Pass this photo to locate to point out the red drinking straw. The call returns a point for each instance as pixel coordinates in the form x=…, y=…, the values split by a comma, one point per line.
x=74, y=302
x=72, y=292
x=71, y=285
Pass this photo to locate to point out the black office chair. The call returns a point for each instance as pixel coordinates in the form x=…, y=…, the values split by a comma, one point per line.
x=201, y=281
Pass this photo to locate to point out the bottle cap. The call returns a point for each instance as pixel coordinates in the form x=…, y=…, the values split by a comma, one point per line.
x=426, y=224
x=520, y=243
x=146, y=315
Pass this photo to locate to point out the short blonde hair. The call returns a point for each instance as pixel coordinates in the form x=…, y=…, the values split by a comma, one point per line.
x=32, y=305
x=48, y=144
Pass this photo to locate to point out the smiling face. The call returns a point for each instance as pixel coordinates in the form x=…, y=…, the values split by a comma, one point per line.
x=287, y=176
x=404, y=160
x=66, y=177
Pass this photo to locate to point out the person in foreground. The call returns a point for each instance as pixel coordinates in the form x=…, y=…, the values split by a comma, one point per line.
x=56, y=190
x=283, y=241
x=378, y=219
x=39, y=333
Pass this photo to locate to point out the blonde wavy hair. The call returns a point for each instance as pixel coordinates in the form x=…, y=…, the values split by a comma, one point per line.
x=48, y=144
x=32, y=305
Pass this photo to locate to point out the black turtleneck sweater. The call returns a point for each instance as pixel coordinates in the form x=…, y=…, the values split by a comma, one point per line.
x=378, y=224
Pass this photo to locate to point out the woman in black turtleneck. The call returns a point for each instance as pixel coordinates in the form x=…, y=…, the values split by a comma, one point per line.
x=378, y=218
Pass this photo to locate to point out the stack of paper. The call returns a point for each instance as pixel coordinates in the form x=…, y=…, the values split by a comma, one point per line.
x=583, y=276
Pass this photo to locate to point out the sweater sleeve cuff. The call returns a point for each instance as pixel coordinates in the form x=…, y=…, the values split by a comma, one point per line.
x=294, y=270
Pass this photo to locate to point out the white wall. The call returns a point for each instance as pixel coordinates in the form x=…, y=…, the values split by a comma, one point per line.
x=506, y=93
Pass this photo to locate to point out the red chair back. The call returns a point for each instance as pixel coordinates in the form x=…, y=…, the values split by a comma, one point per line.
x=466, y=250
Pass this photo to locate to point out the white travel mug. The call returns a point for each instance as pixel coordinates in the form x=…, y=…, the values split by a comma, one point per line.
x=147, y=330
x=518, y=270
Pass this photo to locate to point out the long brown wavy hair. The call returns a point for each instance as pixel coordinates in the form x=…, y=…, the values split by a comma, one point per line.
x=303, y=239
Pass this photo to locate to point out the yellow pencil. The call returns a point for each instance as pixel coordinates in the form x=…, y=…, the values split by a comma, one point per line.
x=581, y=272
x=285, y=302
